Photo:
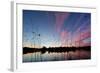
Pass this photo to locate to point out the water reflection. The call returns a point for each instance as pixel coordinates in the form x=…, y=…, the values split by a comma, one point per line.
x=56, y=56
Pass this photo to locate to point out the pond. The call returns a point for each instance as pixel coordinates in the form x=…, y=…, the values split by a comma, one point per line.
x=56, y=56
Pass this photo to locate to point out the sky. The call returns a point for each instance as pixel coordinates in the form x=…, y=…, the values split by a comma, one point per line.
x=56, y=29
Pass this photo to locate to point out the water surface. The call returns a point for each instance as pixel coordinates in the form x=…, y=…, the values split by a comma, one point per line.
x=56, y=56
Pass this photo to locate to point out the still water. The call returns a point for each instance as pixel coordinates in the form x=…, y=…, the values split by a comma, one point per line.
x=55, y=56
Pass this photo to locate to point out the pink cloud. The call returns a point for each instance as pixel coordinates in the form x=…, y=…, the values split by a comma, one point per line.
x=78, y=39
x=63, y=34
x=60, y=17
x=85, y=35
x=64, y=37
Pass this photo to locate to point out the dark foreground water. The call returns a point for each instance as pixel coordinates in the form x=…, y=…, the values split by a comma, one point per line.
x=55, y=56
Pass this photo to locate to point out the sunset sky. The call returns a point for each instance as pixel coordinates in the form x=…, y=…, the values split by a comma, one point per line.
x=55, y=29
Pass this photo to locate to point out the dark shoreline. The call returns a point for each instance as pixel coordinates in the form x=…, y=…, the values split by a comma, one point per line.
x=54, y=49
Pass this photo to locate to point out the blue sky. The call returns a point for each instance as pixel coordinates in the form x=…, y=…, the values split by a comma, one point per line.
x=54, y=29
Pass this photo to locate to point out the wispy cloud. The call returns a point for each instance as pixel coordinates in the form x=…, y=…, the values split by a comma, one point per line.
x=60, y=17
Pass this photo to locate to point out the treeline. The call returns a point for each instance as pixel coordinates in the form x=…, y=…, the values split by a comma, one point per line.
x=54, y=49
